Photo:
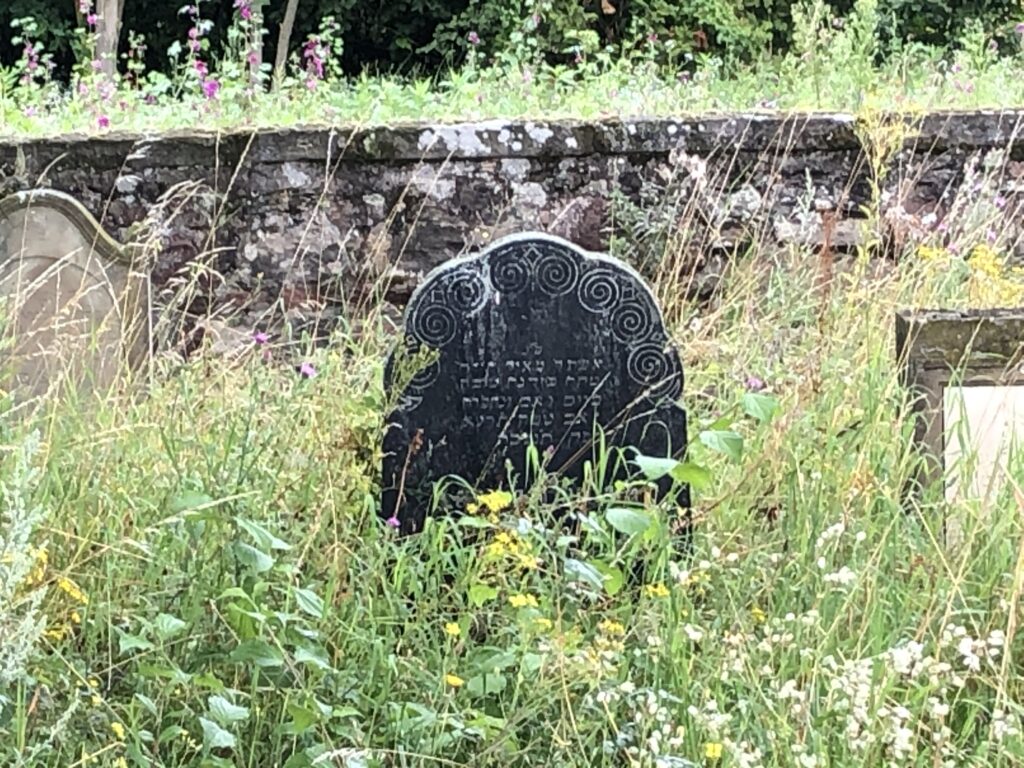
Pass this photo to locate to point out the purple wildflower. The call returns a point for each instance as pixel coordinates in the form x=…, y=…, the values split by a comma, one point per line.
x=1019, y=29
x=210, y=88
x=91, y=19
x=244, y=8
x=393, y=522
x=1000, y=202
x=754, y=384
x=307, y=371
x=474, y=38
x=260, y=338
x=103, y=121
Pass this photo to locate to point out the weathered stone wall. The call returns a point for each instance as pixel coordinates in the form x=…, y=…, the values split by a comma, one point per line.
x=300, y=222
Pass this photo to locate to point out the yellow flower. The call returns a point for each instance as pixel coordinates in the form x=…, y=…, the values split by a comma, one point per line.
x=472, y=508
x=93, y=682
x=56, y=633
x=95, y=700
x=610, y=627
x=521, y=601
x=930, y=253
x=541, y=623
x=453, y=680
x=118, y=730
x=656, y=590
x=76, y=617
x=495, y=501
x=73, y=590
x=713, y=750
x=452, y=629
x=120, y=762
x=758, y=614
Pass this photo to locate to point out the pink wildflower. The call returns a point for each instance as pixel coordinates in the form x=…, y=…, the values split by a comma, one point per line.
x=103, y=121
x=211, y=88
x=307, y=371
x=393, y=522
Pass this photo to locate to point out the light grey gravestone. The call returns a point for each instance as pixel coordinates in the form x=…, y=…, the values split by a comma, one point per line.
x=72, y=305
x=538, y=346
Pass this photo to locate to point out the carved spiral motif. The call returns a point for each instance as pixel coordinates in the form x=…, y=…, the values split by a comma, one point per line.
x=599, y=290
x=425, y=377
x=467, y=292
x=557, y=273
x=434, y=325
x=649, y=365
x=633, y=321
x=509, y=272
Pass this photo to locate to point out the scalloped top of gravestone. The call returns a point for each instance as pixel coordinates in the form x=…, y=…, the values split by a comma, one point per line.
x=534, y=343
x=71, y=306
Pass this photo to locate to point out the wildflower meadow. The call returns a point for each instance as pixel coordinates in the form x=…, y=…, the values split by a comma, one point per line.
x=193, y=570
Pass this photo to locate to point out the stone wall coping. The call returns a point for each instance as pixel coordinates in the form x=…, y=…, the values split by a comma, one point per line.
x=704, y=134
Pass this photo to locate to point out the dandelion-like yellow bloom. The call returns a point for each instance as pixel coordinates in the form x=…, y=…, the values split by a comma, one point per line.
x=495, y=501
x=454, y=680
x=542, y=623
x=120, y=762
x=713, y=750
x=930, y=252
x=522, y=601
x=758, y=614
x=610, y=627
x=658, y=590
x=452, y=629
x=72, y=590
x=118, y=730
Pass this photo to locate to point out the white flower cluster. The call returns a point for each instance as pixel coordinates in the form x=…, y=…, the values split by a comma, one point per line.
x=646, y=732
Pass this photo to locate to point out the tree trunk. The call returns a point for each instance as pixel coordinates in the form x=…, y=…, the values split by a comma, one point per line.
x=284, y=39
x=108, y=34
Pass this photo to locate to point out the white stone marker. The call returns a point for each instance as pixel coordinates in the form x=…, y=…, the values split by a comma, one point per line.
x=73, y=307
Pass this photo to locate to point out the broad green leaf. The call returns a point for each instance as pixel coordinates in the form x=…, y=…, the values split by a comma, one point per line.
x=482, y=685
x=577, y=570
x=314, y=656
x=760, y=406
x=215, y=737
x=127, y=642
x=261, y=535
x=147, y=702
x=310, y=602
x=613, y=578
x=628, y=520
x=188, y=500
x=167, y=626
x=258, y=652
x=723, y=441
x=696, y=476
x=481, y=593
x=224, y=712
x=302, y=718
x=251, y=557
x=655, y=468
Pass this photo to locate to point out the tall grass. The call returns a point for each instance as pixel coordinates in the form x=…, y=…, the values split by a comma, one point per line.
x=218, y=589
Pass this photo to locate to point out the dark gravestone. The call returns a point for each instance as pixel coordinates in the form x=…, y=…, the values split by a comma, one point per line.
x=535, y=343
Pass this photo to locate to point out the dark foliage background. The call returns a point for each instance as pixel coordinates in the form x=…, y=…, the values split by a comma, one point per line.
x=422, y=35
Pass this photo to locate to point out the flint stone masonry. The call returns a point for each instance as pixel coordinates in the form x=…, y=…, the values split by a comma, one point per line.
x=298, y=221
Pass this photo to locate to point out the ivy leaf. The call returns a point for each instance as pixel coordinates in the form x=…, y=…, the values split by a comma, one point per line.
x=628, y=521
x=310, y=603
x=696, y=476
x=723, y=441
x=760, y=406
x=481, y=593
x=167, y=626
x=655, y=468
x=224, y=712
x=215, y=737
x=577, y=570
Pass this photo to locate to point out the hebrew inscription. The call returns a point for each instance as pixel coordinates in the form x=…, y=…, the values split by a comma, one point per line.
x=538, y=344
